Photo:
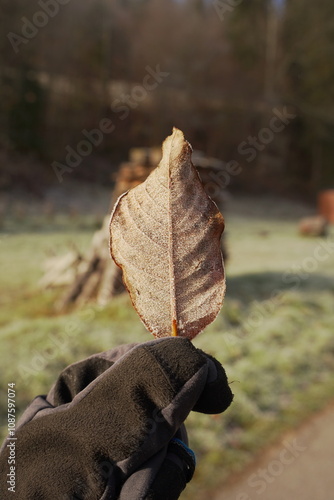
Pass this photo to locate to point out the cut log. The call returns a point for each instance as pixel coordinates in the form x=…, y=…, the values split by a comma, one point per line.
x=60, y=271
x=313, y=226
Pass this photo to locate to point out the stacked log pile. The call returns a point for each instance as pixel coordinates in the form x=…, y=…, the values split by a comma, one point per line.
x=94, y=276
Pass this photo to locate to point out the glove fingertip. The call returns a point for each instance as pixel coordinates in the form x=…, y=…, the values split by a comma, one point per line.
x=217, y=395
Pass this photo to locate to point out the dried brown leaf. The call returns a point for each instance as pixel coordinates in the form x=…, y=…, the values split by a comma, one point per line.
x=165, y=235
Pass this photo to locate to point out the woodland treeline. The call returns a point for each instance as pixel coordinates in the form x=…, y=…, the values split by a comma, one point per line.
x=249, y=82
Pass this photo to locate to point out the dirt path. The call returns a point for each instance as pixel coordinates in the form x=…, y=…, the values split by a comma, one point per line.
x=301, y=466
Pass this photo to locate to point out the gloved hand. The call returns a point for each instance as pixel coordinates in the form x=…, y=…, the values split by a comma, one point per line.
x=112, y=425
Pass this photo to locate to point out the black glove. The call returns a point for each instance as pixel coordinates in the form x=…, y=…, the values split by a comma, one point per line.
x=112, y=425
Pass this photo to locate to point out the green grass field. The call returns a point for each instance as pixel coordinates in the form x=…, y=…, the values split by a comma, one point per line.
x=274, y=335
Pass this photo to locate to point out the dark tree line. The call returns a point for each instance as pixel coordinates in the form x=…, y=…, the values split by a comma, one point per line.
x=229, y=67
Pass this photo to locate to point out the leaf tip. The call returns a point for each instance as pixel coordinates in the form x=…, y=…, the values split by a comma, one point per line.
x=178, y=133
x=175, y=145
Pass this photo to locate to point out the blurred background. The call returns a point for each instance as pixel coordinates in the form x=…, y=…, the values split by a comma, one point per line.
x=225, y=66
x=88, y=92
